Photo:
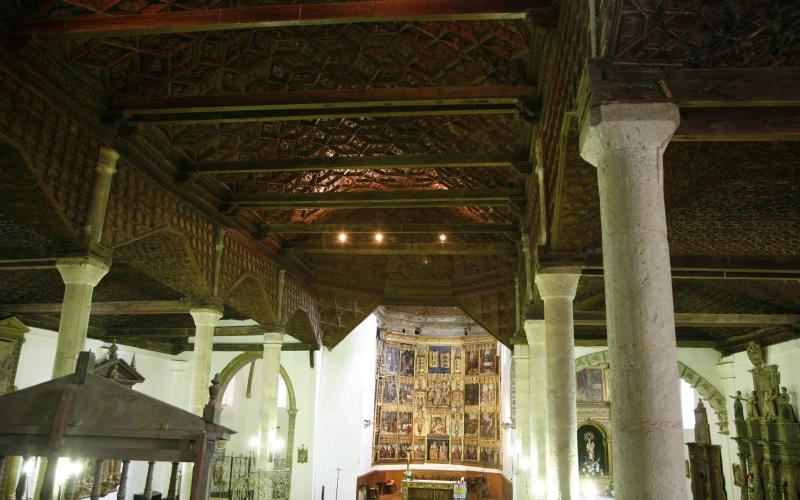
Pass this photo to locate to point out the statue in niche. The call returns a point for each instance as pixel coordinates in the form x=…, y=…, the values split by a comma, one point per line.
x=785, y=409
x=738, y=408
x=770, y=406
x=752, y=407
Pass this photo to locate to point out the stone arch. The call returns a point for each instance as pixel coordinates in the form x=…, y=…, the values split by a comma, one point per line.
x=242, y=360
x=703, y=387
x=249, y=298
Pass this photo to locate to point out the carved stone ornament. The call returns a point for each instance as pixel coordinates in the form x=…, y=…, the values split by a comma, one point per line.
x=756, y=354
x=302, y=454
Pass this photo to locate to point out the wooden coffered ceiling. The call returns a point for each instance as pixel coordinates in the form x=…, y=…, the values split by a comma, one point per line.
x=291, y=122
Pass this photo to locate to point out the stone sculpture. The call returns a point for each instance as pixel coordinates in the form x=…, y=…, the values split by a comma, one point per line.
x=752, y=407
x=786, y=411
x=738, y=408
x=769, y=406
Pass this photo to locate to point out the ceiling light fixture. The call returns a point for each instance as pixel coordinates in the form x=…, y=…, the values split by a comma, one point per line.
x=378, y=237
x=442, y=238
x=342, y=237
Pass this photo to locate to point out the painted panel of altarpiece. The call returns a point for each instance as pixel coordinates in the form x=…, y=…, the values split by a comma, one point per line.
x=438, y=400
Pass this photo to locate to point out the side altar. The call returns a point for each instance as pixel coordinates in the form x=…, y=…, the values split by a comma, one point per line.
x=769, y=437
x=423, y=489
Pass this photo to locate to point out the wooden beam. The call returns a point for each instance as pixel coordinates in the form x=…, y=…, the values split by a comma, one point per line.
x=108, y=308
x=368, y=228
x=380, y=199
x=427, y=249
x=739, y=124
x=697, y=320
x=34, y=259
x=359, y=163
x=220, y=331
x=757, y=267
x=694, y=88
x=324, y=104
x=307, y=14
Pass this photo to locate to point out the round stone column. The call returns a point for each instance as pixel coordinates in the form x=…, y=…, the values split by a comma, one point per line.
x=522, y=436
x=205, y=320
x=626, y=143
x=558, y=290
x=268, y=422
x=80, y=275
x=535, y=333
x=106, y=168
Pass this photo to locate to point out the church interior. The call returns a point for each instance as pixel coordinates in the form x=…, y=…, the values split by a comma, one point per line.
x=400, y=249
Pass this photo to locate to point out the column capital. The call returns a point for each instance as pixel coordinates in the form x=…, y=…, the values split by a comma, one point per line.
x=521, y=351
x=206, y=315
x=534, y=331
x=561, y=284
x=627, y=127
x=87, y=270
x=273, y=337
x=107, y=161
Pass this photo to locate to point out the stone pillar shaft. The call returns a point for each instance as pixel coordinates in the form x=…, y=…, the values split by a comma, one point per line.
x=268, y=422
x=106, y=168
x=626, y=143
x=522, y=436
x=535, y=333
x=80, y=275
x=205, y=320
x=558, y=290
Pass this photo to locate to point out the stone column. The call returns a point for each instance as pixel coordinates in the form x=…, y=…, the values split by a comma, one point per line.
x=268, y=422
x=106, y=168
x=626, y=143
x=205, y=320
x=80, y=275
x=558, y=290
x=535, y=333
x=522, y=436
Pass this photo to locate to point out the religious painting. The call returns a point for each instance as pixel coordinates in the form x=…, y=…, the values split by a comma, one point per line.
x=490, y=455
x=592, y=458
x=419, y=427
x=470, y=453
x=488, y=425
x=489, y=360
x=471, y=424
x=438, y=425
x=438, y=393
x=489, y=394
x=456, y=424
x=390, y=392
x=456, y=453
x=419, y=452
x=473, y=362
x=438, y=450
x=405, y=421
x=439, y=359
x=403, y=451
x=589, y=385
x=406, y=394
x=391, y=360
x=407, y=363
x=472, y=394
x=387, y=451
x=389, y=422
x=419, y=402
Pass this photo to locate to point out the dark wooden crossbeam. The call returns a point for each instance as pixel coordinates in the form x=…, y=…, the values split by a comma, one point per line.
x=698, y=320
x=380, y=199
x=324, y=104
x=739, y=124
x=220, y=331
x=507, y=229
x=279, y=16
x=777, y=267
x=426, y=249
x=152, y=307
x=519, y=162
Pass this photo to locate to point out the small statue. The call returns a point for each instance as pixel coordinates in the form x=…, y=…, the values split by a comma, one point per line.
x=752, y=407
x=738, y=408
x=770, y=407
x=786, y=411
x=213, y=390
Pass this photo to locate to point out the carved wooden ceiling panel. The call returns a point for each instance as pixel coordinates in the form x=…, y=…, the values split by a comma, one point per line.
x=709, y=33
x=353, y=56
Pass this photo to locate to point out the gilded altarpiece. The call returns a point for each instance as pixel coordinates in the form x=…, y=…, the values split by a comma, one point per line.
x=437, y=400
x=593, y=397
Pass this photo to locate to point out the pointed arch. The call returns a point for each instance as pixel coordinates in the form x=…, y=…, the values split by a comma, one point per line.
x=706, y=389
x=244, y=359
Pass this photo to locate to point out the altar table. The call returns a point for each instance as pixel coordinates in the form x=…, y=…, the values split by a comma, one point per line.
x=422, y=489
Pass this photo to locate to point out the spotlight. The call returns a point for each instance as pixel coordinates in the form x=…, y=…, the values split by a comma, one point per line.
x=442, y=238
x=342, y=237
x=378, y=237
